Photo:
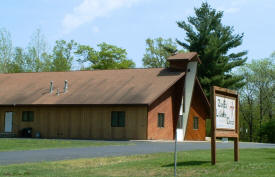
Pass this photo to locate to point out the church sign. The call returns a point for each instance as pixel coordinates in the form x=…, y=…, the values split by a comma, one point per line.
x=225, y=113
x=225, y=118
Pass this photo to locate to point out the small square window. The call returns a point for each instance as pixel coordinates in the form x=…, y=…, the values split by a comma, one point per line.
x=179, y=124
x=161, y=120
x=118, y=119
x=195, y=123
x=28, y=116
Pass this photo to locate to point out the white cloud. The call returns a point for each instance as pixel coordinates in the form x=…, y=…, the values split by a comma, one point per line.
x=89, y=10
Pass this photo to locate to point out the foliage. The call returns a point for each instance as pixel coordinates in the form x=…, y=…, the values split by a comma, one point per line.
x=213, y=41
x=268, y=131
x=257, y=96
x=36, y=51
x=17, y=64
x=157, y=51
x=63, y=55
x=107, y=57
x=38, y=58
x=5, y=50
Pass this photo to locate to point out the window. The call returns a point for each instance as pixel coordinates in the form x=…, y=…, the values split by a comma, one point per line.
x=195, y=123
x=160, y=120
x=179, y=125
x=27, y=116
x=118, y=119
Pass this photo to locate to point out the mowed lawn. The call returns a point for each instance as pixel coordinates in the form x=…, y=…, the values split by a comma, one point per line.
x=253, y=163
x=14, y=144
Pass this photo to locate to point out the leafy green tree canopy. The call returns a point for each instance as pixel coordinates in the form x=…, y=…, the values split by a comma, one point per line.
x=63, y=55
x=5, y=50
x=268, y=131
x=36, y=51
x=258, y=95
x=213, y=41
x=157, y=51
x=17, y=65
x=107, y=57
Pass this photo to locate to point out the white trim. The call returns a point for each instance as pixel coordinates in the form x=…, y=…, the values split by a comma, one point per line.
x=190, y=78
x=179, y=131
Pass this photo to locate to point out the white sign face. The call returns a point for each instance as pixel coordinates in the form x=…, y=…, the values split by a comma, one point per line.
x=225, y=113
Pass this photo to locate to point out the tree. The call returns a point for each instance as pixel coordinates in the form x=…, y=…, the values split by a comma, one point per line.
x=5, y=50
x=63, y=55
x=272, y=89
x=206, y=35
x=157, y=52
x=247, y=104
x=17, y=64
x=259, y=91
x=107, y=57
x=268, y=131
x=36, y=50
x=263, y=81
x=48, y=62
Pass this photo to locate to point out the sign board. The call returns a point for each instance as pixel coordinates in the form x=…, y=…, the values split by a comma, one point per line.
x=225, y=118
x=225, y=113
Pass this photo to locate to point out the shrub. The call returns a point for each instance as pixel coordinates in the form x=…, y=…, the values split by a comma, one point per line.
x=268, y=131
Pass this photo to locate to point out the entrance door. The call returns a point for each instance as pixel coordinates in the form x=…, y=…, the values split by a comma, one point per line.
x=8, y=122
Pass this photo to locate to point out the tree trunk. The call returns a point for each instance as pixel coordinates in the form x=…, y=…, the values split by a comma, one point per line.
x=261, y=115
x=250, y=120
x=250, y=131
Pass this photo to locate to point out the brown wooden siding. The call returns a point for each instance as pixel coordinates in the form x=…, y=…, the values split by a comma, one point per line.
x=80, y=122
x=197, y=110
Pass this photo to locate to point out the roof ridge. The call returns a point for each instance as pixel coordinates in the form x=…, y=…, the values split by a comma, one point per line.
x=81, y=71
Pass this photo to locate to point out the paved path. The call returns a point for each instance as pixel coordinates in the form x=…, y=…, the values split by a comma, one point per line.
x=140, y=147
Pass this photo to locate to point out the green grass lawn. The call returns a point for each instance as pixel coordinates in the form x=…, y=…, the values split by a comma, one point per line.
x=15, y=144
x=253, y=163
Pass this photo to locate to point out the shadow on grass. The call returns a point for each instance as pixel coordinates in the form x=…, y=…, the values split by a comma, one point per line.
x=188, y=163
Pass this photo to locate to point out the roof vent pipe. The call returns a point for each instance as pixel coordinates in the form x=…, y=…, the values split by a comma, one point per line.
x=51, y=86
x=66, y=86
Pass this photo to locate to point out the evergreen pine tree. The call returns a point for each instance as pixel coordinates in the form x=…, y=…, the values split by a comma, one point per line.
x=213, y=41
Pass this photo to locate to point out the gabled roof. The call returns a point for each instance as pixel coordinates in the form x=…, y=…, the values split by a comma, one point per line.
x=99, y=87
x=204, y=99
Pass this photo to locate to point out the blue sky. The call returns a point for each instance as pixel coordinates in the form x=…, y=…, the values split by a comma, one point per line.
x=127, y=23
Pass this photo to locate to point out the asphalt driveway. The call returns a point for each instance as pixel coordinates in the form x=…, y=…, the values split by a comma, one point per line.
x=139, y=147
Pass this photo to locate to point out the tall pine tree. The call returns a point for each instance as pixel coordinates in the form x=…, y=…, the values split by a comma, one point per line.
x=213, y=41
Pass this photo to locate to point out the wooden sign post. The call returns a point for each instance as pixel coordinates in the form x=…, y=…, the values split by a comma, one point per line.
x=225, y=118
